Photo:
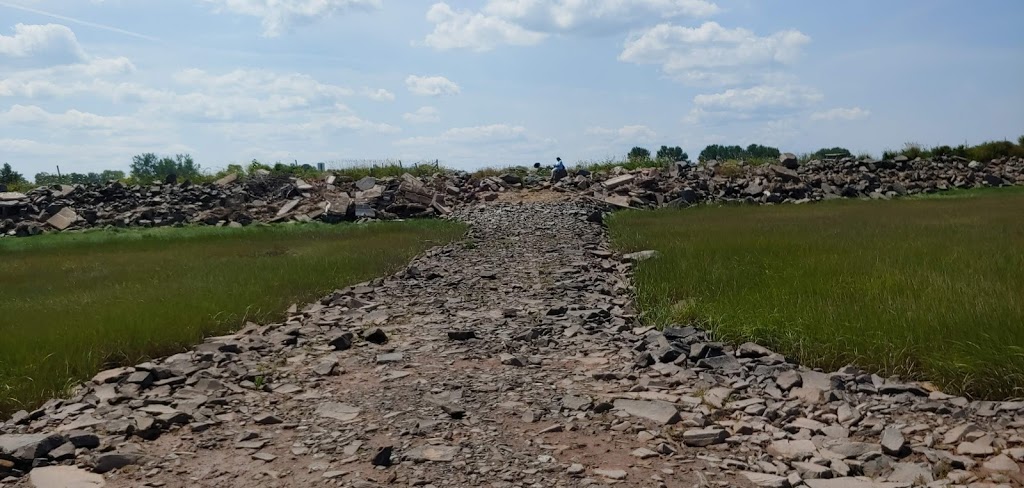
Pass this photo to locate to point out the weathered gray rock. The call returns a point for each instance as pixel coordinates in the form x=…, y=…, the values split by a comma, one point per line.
x=766, y=480
x=338, y=411
x=893, y=442
x=810, y=471
x=663, y=413
x=65, y=477
x=705, y=437
x=432, y=453
x=792, y=450
x=789, y=380
x=853, y=483
x=612, y=474
x=911, y=473
x=63, y=219
x=26, y=447
x=110, y=461
x=1002, y=464
x=789, y=160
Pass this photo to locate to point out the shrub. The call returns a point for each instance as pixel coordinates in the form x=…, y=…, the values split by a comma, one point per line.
x=638, y=153
x=148, y=167
x=10, y=177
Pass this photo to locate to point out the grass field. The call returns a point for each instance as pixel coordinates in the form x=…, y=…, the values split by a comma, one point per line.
x=71, y=304
x=929, y=288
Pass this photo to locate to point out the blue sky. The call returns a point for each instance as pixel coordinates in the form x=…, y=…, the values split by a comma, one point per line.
x=86, y=84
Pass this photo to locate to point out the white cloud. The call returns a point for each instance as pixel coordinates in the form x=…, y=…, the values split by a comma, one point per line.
x=759, y=97
x=67, y=80
x=464, y=29
x=594, y=16
x=94, y=155
x=279, y=16
x=245, y=93
x=854, y=113
x=493, y=144
x=711, y=53
x=42, y=45
x=746, y=103
x=433, y=86
x=494, y=133
x=380, y=95
x=71, y=119
x=423, y=115
x=529, y=22
x=627, y=133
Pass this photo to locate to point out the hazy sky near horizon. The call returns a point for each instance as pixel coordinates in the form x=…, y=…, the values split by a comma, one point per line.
x=87, y=84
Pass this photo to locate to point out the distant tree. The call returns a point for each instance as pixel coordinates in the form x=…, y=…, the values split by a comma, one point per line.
x=47, y=179
x=672, y=154
x=841, y=152
x=638, y=153
x=753, y=151
x=149, y=167
x=10, y=177
x=110, y=175
x=757, y=151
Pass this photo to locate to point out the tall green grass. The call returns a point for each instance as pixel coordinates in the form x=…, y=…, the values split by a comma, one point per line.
x=926, y=288
x=629, y=164
x=73, y=304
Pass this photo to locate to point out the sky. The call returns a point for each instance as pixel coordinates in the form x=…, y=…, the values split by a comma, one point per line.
x=87, y=84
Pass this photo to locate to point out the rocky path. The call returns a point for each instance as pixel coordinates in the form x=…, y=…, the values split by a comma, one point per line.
x=511, y=359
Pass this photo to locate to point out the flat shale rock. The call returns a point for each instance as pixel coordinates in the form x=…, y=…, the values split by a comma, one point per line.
x=433, y=454
x=663, y=413
x=65, y=477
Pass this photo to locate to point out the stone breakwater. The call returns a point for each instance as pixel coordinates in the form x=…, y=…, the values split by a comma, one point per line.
x=512, y=359
x=271, y=198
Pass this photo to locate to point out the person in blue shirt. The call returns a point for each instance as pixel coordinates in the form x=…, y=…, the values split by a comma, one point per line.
x=559, y=172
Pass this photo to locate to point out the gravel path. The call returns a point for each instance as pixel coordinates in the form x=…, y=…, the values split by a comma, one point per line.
x=511, y=359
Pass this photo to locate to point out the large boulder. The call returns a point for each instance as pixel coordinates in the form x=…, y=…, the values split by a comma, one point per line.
x=789, y=160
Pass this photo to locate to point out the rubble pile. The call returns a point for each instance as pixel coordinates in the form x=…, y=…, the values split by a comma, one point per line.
x=270, y=198
x=789, y=182
x=230, y=201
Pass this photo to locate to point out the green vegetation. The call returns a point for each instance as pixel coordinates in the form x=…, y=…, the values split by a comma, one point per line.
x=754, y=153
x=672, y=154
x=638, y=153
x=149, y=167
x=830, y=152
x=520, y=171
x=47, y=179
x=11, y=178
x=356, y=171
x=983, y=152
x=630, y=164
x=73, y=304
x=925, y=288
